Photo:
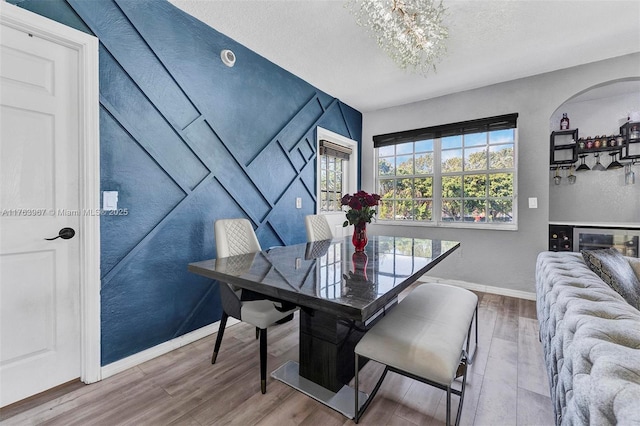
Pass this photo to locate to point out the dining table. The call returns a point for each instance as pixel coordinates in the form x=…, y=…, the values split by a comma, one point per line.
x=341, y=293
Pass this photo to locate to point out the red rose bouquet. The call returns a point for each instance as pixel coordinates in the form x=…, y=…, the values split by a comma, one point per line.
x=361, y=207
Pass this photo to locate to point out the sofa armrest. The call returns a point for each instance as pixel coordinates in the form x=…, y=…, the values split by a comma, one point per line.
x=635, y=265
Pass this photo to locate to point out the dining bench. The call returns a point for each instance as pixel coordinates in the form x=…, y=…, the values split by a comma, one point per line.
x=423, y=338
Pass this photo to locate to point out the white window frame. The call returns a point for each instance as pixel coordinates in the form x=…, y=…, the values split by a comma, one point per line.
x=349, y=177
x=437, y=195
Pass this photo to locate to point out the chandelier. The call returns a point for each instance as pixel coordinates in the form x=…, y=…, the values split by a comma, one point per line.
x=409, y=31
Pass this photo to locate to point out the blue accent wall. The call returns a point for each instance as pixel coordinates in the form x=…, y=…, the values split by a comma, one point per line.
x=186, y=140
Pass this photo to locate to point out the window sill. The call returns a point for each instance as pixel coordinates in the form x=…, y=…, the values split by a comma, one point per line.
x=455, y=225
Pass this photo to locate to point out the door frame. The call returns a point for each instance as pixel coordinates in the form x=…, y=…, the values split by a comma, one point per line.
x=88, y=171
x=352, y=174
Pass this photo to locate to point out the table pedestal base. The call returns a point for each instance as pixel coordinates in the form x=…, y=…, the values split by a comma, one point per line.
x=342, y=401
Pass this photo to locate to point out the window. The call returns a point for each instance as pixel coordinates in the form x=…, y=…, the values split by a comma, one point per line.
x=331, y=165
x=336, y=174
x=460, y=174
x=405, y=181
x=331, y=169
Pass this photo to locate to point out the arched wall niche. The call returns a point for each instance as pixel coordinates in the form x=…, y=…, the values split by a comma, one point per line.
x=616, y=97
x=607, y=89
x=596, y=197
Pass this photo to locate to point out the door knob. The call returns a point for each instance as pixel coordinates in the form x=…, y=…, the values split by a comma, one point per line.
x=65, y=234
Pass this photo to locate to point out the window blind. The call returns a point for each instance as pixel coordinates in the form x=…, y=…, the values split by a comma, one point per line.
x=334, y=149
x=500, y=122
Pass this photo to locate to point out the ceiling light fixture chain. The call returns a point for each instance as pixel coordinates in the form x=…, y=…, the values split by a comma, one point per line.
x=409, y=31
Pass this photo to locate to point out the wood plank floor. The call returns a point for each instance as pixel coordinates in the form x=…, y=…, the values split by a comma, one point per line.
x=507, y=385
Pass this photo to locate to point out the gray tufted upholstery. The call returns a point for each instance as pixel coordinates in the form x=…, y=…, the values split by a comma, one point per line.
x=591, y=341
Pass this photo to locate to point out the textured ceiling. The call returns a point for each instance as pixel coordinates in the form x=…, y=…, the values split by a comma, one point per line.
x=489, y=42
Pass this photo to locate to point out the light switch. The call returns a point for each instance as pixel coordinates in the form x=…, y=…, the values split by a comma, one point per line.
x=533, y=203
x=109, y=200
x=298, y=203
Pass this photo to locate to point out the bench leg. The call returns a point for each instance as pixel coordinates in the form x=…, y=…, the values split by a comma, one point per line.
x=449, y=390
x=466, y=361
x=449, y=406
x=359, y=412
x=356, y=416
x=469, y=357
x=476, y=347
x=464, y=384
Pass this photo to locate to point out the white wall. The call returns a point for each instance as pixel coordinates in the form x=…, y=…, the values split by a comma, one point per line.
x=497, y=258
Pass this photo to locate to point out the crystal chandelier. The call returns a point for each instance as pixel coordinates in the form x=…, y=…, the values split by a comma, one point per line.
x=410, y=31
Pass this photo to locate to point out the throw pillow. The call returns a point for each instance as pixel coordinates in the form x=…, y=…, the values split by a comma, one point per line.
x=615, y=270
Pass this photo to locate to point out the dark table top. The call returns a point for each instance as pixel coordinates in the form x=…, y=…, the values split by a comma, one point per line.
x=329, y=276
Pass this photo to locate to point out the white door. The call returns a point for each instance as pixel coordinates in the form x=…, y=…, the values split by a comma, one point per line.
x=39, y=168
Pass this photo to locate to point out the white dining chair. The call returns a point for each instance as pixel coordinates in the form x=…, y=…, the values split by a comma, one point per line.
x=317, y=228
x=235, y=237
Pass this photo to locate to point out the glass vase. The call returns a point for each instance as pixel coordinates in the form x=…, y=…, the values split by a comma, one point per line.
x=359, y=238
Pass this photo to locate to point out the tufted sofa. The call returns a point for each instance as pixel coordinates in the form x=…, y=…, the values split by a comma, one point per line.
x=591, y=341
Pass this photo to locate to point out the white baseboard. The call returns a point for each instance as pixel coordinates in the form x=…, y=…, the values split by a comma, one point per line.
x=481, y=288
x=161, y=349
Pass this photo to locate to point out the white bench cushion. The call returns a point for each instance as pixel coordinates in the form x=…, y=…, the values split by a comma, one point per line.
x=424, y=334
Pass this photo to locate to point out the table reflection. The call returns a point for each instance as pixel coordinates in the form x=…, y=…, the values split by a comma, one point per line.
x=342, y=272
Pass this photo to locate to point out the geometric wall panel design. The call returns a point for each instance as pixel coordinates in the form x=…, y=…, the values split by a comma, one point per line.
x=143, y=120
x=144, y=188
x=185, y=141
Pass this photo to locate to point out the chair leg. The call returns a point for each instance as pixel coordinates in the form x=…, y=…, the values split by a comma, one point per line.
x=263, y=361
x=216, y=348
